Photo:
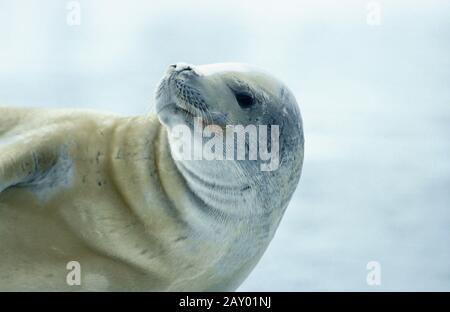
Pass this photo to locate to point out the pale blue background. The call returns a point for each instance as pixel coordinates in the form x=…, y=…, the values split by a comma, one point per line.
x=375, y=103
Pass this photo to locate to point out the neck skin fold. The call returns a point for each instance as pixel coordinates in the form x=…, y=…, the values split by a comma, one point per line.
x=217, y=188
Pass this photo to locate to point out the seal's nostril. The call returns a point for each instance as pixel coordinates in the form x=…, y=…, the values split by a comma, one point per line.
x=185, y=68
x=181, y=67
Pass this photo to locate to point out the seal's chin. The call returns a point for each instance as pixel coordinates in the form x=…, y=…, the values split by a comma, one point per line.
x=173, y=113
x=172, y=110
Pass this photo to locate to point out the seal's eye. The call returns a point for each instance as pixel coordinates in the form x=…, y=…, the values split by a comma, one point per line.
x=245, y=100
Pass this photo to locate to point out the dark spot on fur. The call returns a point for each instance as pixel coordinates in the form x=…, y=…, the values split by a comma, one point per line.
x=181, y=238
x=97, y=158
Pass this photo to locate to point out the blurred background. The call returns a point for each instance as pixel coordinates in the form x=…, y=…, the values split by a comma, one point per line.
x=372, y=79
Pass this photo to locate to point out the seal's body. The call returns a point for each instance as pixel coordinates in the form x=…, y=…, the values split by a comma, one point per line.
x=104, y=191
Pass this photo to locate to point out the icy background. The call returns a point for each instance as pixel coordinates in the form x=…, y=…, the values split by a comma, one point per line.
x=375, y=102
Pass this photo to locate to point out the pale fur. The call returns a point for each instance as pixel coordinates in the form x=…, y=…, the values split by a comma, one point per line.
x=103, y=190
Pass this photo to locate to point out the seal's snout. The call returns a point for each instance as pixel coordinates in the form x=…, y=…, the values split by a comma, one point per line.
x=180, y=67
x=179, y=96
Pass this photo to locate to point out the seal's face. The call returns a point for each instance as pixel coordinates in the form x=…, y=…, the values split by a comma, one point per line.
x=232, y=94
x=222, y=94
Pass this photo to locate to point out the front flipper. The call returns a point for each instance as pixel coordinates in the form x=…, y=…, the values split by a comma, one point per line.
x=23, y=162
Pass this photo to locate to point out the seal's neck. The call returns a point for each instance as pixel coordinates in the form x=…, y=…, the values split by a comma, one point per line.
x=217, y=187
x=220, y=185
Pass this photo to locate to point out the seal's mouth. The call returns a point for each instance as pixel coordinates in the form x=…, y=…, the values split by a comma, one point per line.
x=184, y=111
x=177, y=109
x=176, y=105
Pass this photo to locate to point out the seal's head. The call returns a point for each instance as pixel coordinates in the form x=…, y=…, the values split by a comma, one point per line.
x=226, y=92
x=231, y=94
